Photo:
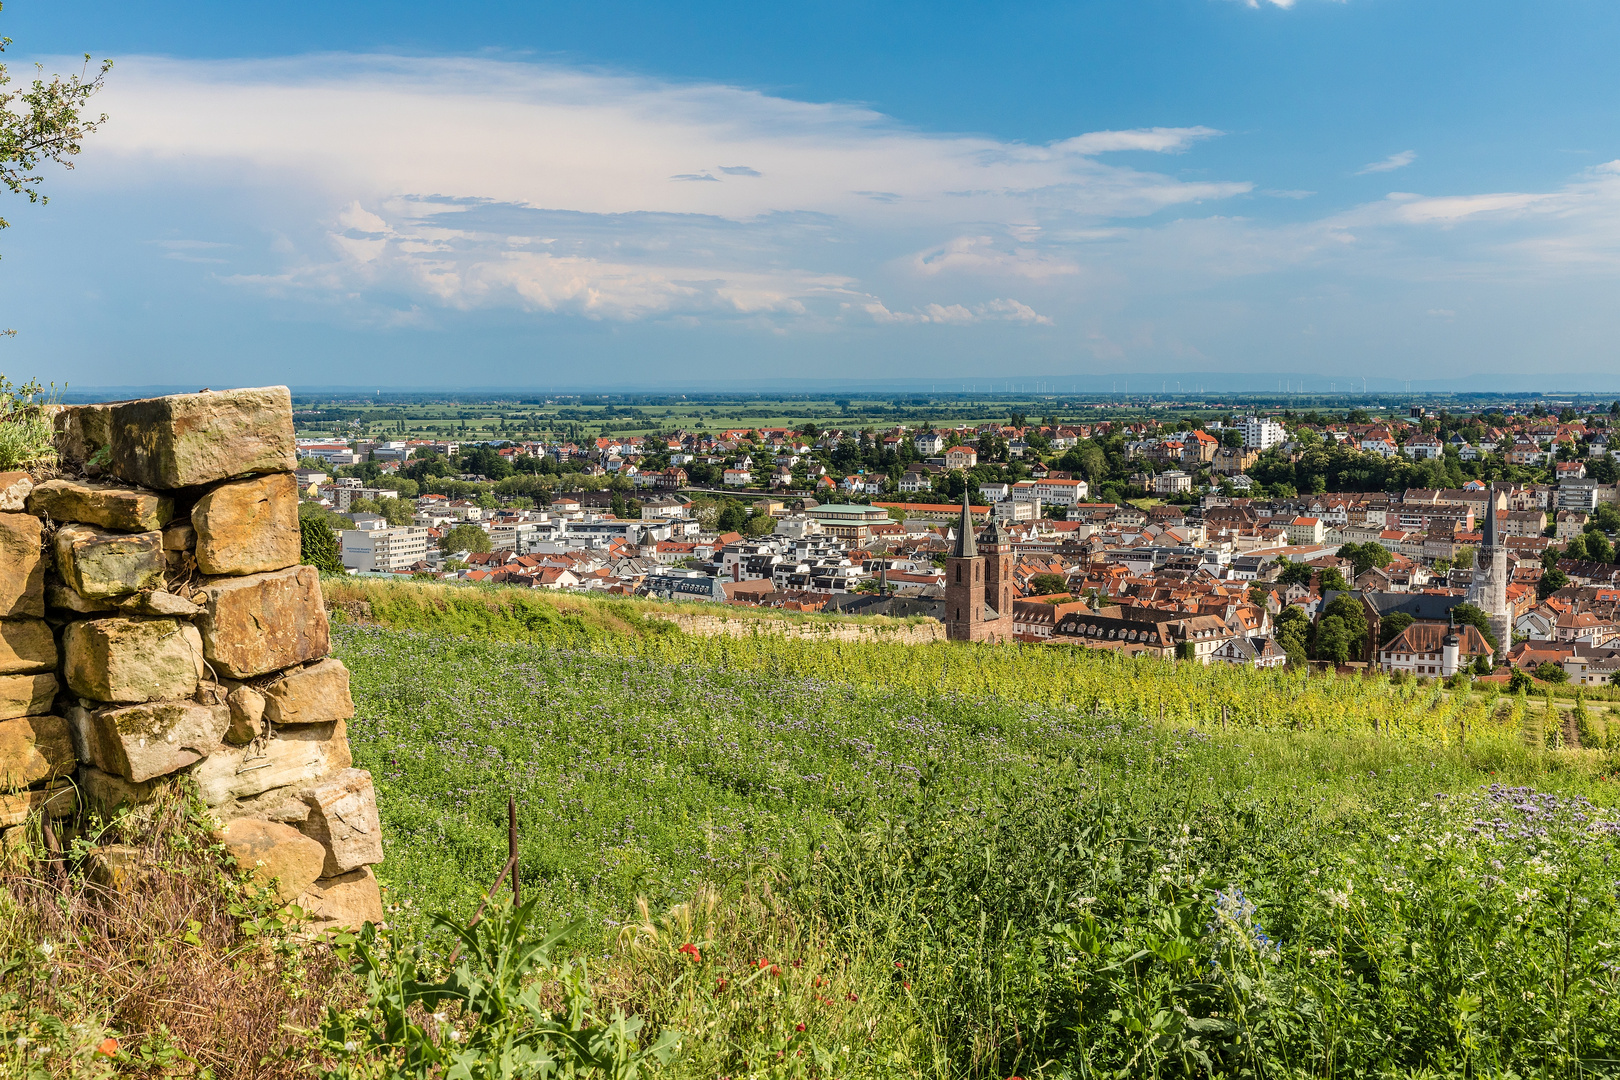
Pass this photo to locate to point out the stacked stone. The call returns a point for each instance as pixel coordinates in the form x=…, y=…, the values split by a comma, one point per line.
x=158, y=603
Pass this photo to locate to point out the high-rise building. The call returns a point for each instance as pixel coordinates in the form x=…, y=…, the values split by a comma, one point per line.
x=1261, y=434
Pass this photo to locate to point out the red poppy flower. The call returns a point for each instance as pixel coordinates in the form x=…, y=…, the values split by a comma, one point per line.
x=108, y=1048
x=798, y=1027
x=692, y=951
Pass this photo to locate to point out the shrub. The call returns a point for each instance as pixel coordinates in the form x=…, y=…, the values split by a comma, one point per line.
x=485, y=1018
x=27, y=436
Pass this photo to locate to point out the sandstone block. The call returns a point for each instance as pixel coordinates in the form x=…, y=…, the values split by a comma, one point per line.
x=248, y=526
x=345, y=902
x=86, y=736
x=34, y=748
x=179, y=536
x=187, y=439
x=26, y=695
x=59, y=596
x=158, y=602
x=58, y=800
x=26, y=645
x=247, y=715
x=315, y=694
x=297, y=755
x=343, y=817
x=14, y=489
x=16, y=848
x=115, y=867
x=111, y=506
x=22, y=567
x=263, y=622
x=106, y=792
x=81, y=432
x=133, y=659
x=140, y=742
x=101, y=565
x=275, y=854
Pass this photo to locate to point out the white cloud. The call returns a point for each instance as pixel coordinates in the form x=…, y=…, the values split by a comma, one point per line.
x=479, y=182
x=404, y=193
x=1159, y=140
x=999, y=310
x=1389, y=164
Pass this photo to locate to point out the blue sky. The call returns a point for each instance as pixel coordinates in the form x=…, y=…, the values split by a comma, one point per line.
x=628, y=195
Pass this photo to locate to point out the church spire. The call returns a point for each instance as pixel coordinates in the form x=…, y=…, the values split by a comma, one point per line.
x=1489, y=538
x=966, y=546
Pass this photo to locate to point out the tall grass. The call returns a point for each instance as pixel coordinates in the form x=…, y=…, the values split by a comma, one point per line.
x=179, y=967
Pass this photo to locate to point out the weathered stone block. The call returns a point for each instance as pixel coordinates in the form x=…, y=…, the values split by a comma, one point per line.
x=26, y=695
x=22, y=567
x=111, y=506
x=81, y=432
x=345, y=902
x=158, y=602
x=343, y=817
x=82, y=729
x=275, y=854
x=16, y=847
x=114, y=867
x=101, y=565
x=263, y=622
x=58, y=596
x=14, y=489
x=187, y=439
x=133, y=659
x=312, y=695
x=247, y=715
x=248, y=526
x=34, y=748
x=26, y=645
x=58, y=800
x=179, y=536
x=140, y=742
x=106, y=792
x=297, y=755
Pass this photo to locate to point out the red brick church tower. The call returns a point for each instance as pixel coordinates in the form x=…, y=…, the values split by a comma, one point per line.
x=979, y=588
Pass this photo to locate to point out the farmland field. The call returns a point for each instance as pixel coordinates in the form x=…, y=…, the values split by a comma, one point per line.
x=972, y=861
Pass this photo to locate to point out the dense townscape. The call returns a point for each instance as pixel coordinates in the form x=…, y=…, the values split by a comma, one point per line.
x=1343, y=540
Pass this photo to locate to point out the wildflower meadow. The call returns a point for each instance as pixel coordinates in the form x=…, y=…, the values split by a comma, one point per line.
x=824, y=859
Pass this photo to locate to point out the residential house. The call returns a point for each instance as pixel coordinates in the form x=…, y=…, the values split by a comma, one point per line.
x=1420, y=649
x=1255, y=652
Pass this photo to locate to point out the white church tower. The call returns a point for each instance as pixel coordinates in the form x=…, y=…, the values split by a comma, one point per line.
x=1491, y=572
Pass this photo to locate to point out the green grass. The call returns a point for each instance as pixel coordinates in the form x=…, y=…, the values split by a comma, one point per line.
x=508, y=613
x=990, y=874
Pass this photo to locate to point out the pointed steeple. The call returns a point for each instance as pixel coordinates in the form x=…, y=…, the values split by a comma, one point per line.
x=967, y=547
x=1490, y=516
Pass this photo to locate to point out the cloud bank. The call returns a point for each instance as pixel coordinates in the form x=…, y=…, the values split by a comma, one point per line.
x=400, y=192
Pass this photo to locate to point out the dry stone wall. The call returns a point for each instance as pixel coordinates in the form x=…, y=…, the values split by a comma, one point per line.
x=155, y=623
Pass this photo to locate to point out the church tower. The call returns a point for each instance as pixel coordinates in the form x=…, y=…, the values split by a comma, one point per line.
x=1489, y=589
x=998, y=579
x=964, y=583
